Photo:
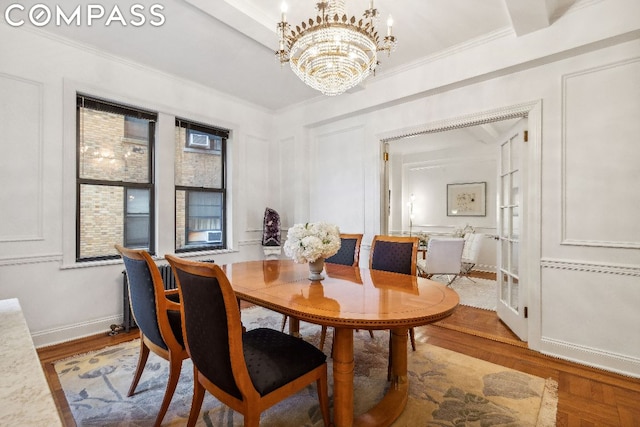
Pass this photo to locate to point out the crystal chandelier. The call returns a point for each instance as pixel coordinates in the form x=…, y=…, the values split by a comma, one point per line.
x=333, y=53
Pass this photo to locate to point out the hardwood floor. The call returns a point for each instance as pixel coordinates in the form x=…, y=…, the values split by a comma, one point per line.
x=588, y=397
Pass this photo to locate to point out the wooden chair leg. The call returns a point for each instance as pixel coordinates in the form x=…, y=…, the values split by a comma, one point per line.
x=142, y=360
x=196, y=401
x=252, y=417
x=323, y=337
x=412, y=337
x=284, y=322
x=175, y=365
x=390, y=357
x=239, y=301
x=323, y=398
x=370, y=333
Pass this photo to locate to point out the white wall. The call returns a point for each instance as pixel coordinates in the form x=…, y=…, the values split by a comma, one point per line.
x=582, y=234
x=582, y=71
x=427, y=180
x=39, y=77
x=338, y=180
x=426, y=176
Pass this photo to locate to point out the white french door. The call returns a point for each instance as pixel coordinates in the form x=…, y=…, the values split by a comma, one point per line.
x=512, y=293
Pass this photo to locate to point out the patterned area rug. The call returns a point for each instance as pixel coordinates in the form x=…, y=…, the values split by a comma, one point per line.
x=446, y=388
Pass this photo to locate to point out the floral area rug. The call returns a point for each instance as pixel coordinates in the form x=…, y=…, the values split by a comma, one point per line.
x=446, y=388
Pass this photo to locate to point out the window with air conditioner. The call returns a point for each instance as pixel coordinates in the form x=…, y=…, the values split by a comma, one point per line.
x=214, y=236
x=199, y=140
x=200, y=187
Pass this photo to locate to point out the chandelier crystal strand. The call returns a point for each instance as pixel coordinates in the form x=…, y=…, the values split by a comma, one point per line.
x=332, y=53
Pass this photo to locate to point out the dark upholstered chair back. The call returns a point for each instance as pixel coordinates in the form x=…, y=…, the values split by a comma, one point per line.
x=394, y=254
x=207, y=332
x=349, y=252
x=247, y=370
x=143, y=299
x=157, y=313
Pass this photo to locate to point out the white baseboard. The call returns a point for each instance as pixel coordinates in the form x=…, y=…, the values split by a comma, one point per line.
x=68, y=333
x=620, y=364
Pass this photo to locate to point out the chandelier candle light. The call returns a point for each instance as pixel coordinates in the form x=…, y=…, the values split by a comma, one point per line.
x=333, y=53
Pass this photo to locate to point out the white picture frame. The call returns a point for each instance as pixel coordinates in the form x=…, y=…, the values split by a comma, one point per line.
x=467, y=199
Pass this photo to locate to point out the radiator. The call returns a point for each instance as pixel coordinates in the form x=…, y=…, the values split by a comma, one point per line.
x=128, y=320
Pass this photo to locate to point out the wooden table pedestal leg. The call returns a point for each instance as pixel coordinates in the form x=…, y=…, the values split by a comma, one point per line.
x=395, y=400
x=343, y=377
x=294, y=326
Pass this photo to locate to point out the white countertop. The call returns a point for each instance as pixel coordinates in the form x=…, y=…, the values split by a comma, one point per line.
x=25, y=397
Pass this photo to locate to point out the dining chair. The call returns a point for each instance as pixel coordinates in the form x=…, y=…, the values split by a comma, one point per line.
x=470, y=253
x=396, y=254
x=349, y=252
x=249, y=371
x=444, y=257
x=157, y=314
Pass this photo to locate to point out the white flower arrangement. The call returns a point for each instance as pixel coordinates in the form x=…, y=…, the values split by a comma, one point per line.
x=310, y=241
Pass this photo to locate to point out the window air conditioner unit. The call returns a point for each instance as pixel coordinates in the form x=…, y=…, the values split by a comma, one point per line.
x=198, y=140
x=214, y=236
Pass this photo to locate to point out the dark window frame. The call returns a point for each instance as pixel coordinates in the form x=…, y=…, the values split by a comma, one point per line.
x=91, y=102
x=190, y=125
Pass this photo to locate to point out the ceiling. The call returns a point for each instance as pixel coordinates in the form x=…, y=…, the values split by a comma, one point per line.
x=228, y=45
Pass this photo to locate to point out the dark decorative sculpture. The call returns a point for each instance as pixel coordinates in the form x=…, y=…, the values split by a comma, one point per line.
x=271, y=228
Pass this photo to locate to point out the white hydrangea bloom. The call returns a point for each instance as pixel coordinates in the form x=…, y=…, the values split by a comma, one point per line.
x=310, y=241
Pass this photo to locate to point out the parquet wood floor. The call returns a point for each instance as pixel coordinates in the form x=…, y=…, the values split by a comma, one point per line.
x=588, y=397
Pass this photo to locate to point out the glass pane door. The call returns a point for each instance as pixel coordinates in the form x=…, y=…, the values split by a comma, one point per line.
x=511, y=294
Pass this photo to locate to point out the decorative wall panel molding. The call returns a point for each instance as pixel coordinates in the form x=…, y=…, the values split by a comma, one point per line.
x=256, y=179
x=624, y=365
x=21, y=160
x=251, y=242
x=600, y=128
x=337, y=184
x=33, y=259
x=590, y=267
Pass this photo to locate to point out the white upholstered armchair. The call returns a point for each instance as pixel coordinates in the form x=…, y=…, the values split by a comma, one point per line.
x=444, y=257
x=470, y=252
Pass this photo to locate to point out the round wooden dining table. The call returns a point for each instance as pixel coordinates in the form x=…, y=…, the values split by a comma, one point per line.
x=349, y=298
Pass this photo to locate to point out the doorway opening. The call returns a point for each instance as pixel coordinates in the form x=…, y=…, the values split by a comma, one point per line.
x=440, y=153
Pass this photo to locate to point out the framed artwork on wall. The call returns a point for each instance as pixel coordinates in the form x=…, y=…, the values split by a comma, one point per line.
x=468, y=199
